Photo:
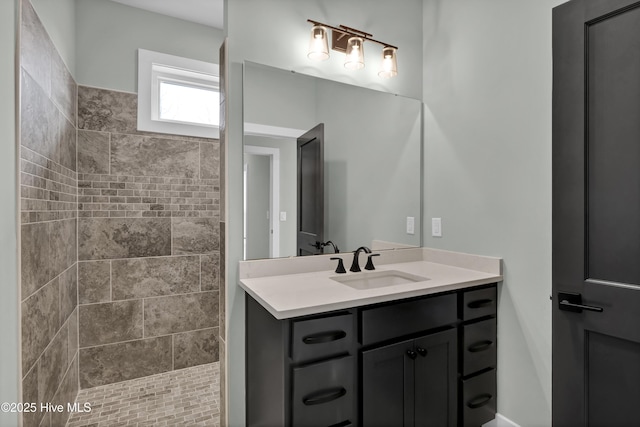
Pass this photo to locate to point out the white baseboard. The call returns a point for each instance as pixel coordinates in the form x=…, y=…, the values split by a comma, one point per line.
x=501, y=421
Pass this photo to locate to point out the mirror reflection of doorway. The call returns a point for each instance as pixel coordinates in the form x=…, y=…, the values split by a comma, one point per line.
x=262, y=202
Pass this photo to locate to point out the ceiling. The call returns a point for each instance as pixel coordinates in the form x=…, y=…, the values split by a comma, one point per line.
x=205, y=12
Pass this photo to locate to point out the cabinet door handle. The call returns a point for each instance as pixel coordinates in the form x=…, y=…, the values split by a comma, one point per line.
x=412, y=354
x=422, y=351
x=479, y=346
x=324, y=337
x=324, y=396
x=480, y=303
x=479, y=401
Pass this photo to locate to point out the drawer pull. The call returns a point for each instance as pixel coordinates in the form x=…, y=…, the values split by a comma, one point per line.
x=324, y=396
x=479, y=401
x=324, y=337
x=479, y=346
x=480, y=303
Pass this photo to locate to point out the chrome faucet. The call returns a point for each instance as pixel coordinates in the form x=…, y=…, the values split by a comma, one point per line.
x=355, y=265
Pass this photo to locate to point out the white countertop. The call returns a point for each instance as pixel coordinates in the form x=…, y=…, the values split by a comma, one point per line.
x=285, y=292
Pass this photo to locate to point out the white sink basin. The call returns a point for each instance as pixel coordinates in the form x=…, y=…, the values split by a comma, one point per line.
x=377, y=279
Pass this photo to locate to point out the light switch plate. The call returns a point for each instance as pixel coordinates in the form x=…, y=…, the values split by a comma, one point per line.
x=436, y=227
x=283, y=216
x=411, y=225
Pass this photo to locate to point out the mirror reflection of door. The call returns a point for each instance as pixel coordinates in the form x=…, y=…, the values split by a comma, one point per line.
x=262, y=195
x=311, y=191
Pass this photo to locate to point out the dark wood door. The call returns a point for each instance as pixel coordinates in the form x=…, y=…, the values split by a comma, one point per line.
x=387, y=386
x=596, y=213
x=310, y=228
x=436, y=380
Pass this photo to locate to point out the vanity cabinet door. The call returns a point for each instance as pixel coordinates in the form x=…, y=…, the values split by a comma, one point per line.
x=411, y=383
x=387, y=382
x=435, y=380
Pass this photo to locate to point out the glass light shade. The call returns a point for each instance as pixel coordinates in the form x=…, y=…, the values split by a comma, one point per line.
x=355, y=54
x=318, y=45
x=389, y=67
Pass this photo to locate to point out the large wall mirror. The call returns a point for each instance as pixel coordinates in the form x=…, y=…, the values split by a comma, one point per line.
x=356, y=182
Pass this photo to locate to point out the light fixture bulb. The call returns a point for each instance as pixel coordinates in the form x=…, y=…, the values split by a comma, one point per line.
x=355, y=54
x=318, y=44
x=389, y=67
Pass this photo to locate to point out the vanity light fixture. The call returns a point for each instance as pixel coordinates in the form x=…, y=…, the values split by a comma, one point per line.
x=351, y=42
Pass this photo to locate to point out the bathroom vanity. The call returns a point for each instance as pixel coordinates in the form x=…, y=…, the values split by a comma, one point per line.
x=421, y=353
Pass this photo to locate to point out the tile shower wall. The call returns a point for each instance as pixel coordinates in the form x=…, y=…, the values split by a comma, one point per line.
x=148, y=244
x=48, y=188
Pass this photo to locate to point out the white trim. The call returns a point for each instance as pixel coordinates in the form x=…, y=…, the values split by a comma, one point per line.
x=146, y=61
x=256, y=129
x=274, y=215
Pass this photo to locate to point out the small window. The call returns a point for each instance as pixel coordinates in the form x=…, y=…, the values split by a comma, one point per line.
x=177, y=95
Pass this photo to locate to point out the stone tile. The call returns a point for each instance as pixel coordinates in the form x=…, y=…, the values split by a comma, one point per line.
x=195, y=235
x=66, y=394
x=73, y=334
x=107, y=110
x=195, y=348
x=93, y=152
x=68, y=293
x=40, y=320
x=147, y=277
x=64, y=90
x=154, y=401
x=36, y=257
x=35, y=47
x=180, y=313
x=63, y=255
x=124, y=361
x=39, y=119
x=66, y=143
x=152, y=156
x=30, y=394
x=110, y=322
x=53, y=365
x=223, y=284
x=210, y=272
x=209, y=160
x=107, y=238
x=94, y=281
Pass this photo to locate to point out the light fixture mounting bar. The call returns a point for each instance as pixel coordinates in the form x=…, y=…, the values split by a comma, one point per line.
x=339, y=44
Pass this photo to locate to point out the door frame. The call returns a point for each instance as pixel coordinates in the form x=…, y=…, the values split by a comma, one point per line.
x=274, y=197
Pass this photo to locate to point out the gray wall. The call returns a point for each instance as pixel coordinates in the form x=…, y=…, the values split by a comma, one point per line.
x=395, y=22
x=258, y=192
x=59, y=18
x=9, y=350
x=487, y=94
x=108, y=35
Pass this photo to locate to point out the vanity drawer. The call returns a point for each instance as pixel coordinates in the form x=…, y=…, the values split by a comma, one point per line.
x=323, y=393
x=479, y=399
x=479, y=303
x=479, y=346
x=404, y=318
x=321, y=337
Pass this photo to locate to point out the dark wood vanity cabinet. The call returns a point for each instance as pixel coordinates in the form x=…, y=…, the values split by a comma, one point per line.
x=427, y=361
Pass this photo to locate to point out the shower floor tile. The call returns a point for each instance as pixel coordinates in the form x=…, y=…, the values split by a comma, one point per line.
x=186, y=397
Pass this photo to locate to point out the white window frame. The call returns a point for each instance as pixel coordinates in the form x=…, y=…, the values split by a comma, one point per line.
x=154, y=67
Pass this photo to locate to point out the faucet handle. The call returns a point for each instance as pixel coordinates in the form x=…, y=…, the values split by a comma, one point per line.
x=340, y=269
x=370, y=265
